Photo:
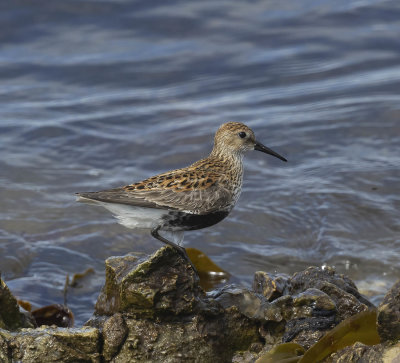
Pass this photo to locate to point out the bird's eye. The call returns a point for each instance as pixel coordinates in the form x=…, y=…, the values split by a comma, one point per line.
x=242, y=134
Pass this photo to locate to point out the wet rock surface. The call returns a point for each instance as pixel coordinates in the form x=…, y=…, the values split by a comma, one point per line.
x=389, y=315
x=310, y=303
x=199, y=339
x=165, y=284
x=115, y=331
x=154, y=310
x=271, y=286
x=159, y=313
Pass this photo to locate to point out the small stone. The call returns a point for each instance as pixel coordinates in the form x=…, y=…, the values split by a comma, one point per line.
x=271, y=286
x=247, y=302
x=346, y=303
x=114, y=334
x=313, y=302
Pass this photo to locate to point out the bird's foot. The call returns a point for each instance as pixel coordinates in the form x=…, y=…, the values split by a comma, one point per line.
x=183, y=253
x=181, y=250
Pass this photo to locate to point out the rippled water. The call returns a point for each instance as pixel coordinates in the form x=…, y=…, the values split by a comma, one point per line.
x=98, y=94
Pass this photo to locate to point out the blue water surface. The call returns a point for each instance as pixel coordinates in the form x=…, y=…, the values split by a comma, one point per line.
x=99, y=94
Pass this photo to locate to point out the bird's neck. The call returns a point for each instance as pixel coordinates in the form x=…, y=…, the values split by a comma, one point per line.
x=230, y=159
x=231, y=165
x=222, y=162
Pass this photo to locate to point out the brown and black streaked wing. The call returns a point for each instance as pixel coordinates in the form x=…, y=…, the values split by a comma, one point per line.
x=119, y=196
x=198, y=201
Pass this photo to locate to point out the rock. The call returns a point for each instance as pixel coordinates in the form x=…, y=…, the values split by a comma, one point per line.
x=159, y=313
x=51, y=345
x=163, y=284
x=346, y=304
x=302, y=308
x=358, y=328
x=10, y=316
x=249, y=355
x=312, y=302
x=271, y=286
x=5, y=351
x=391, y=353
x=317, y=276
x=115, y=331
x=247, y=302
x=388, y=322
x=286, y=352
x=154, y=310
x=340, y=288
x=198, y=339
x=313, y=313
x=357, y=352
x=303, y=318
x=149, y=310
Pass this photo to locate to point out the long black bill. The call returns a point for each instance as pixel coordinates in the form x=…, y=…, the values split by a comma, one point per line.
x=260, y=147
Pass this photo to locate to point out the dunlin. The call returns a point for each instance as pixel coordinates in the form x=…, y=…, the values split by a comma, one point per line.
x=190, y=198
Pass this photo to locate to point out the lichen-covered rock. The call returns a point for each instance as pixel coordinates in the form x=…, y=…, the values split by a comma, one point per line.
x=389, y=315
x=51, y=345
x=162, y=284
x=160, y=314
x=10, y=316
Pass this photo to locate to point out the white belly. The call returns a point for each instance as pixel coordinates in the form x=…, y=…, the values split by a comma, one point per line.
x=139, y=218
x=135, y=217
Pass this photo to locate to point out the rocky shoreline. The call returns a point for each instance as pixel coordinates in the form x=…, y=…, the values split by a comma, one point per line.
x=154, y=310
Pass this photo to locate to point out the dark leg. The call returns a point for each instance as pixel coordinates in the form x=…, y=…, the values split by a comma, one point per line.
x=155, y=234
x=180, y=249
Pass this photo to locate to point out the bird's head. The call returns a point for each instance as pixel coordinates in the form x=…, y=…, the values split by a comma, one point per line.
x=237, y=138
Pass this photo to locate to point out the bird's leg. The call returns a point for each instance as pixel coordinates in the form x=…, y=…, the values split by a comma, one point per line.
x=181, y=250
x=155, y=234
